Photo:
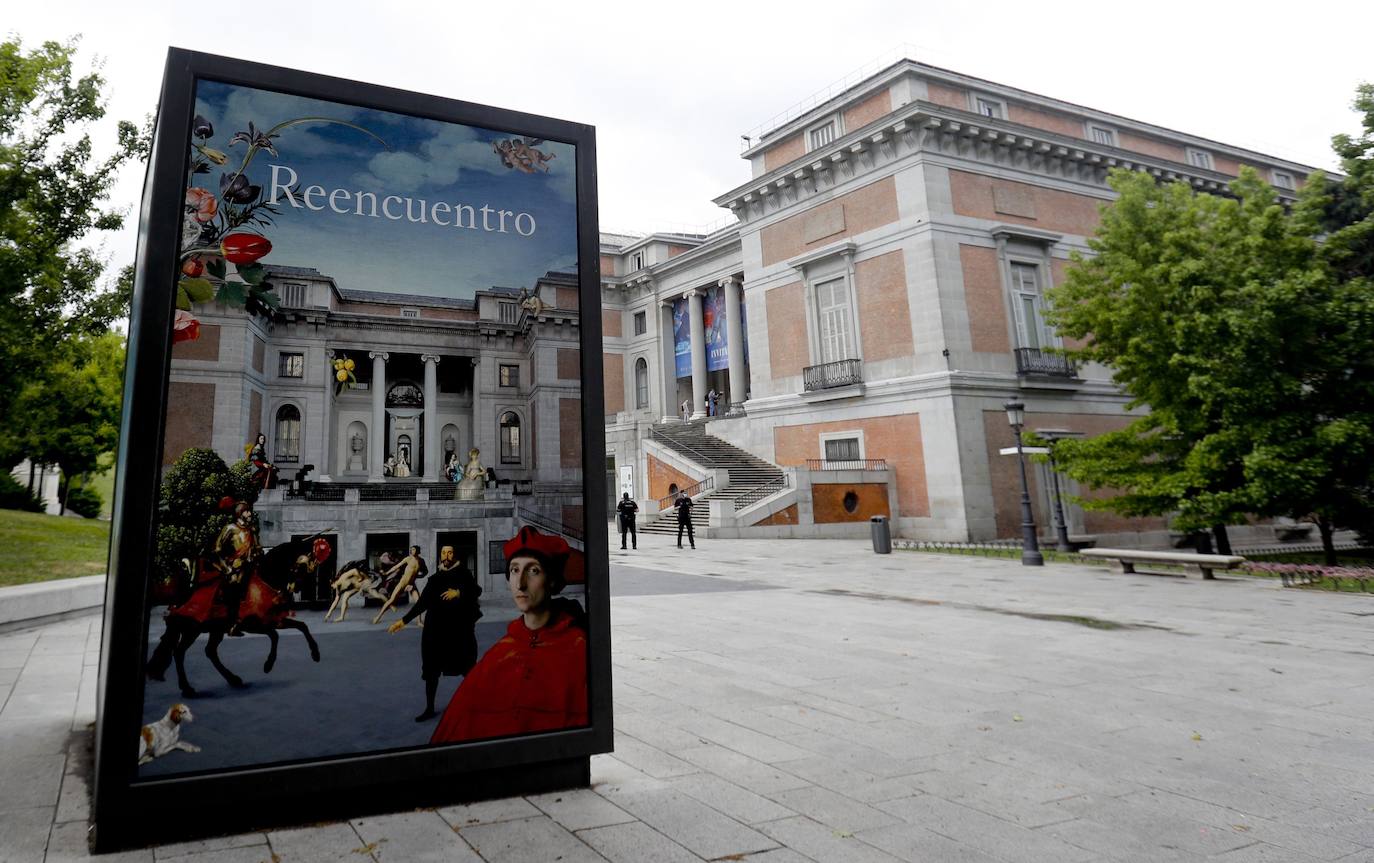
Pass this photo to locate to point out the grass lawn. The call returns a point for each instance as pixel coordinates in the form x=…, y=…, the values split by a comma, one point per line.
x=37, y=547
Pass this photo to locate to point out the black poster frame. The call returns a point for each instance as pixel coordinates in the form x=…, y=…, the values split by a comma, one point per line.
x=130, y=811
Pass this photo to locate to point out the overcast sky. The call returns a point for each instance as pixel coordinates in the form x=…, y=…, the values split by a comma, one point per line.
x=671, y=88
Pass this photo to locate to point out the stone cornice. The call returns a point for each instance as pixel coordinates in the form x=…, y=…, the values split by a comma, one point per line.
x=926, y=127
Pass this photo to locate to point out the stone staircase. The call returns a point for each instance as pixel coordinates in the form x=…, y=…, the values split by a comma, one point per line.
x=747, y=471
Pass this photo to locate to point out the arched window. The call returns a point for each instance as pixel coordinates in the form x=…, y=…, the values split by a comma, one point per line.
x=288, y=434
x=641, y=383
x=510, y=438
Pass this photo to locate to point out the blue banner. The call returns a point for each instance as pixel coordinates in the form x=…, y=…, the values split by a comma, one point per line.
x=682, y=339
x=717, y=339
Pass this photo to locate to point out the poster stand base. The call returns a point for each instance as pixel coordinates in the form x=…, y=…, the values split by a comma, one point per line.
x=206, y=819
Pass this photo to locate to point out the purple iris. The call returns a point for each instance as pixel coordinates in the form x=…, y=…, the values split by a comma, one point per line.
x=236, y=189
x=254, y=138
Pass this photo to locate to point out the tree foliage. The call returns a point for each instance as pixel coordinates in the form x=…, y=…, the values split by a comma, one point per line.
x=53, y=197
x=189, y=511
x=1244, y=330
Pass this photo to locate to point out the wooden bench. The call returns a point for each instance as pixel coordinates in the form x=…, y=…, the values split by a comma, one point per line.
x=1194, y=565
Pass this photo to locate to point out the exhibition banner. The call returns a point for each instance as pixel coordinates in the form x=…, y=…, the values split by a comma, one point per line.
x=682, y=338
x=717, y=336
x=337, y=540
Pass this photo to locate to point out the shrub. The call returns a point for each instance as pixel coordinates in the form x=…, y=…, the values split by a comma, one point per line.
x=15, y=495
x=85, y=502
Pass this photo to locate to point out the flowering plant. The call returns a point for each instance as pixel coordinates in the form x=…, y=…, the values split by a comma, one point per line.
x=226, y=228
x=344, y=378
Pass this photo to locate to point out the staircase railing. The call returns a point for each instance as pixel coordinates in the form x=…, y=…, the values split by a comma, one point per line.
x=547, y=524
x=754, y=495
x=691, y=491
x=672, y=442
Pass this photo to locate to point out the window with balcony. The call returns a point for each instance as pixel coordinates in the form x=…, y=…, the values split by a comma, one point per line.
x=290, y=365
x=1034, y=337
x=843, y=449
x=835, y=321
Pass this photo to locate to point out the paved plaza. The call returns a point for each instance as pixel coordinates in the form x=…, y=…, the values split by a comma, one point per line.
x=783, y=701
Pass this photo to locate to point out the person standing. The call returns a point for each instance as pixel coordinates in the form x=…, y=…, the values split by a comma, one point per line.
x=686, y=410
x=712, y=398
x=684, y=519
x=626, y=510
x=448, y=642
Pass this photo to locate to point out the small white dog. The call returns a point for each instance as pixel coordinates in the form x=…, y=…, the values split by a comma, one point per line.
x=164, y=736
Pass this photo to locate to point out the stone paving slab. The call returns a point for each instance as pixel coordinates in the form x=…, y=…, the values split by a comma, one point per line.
x=821, y=703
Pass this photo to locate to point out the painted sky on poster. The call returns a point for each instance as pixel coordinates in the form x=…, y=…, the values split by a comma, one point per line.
x=398, y=246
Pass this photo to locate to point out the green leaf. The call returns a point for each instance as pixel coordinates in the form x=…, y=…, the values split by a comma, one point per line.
x=199, y=290
x=232, y=293
x=216, y=268
x=253, y=274
x=183, y=301
x=266, y=297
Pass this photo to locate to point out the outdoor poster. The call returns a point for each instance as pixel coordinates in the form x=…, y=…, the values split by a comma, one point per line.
x=362, y=545
x=682, y=338
x=713, y=318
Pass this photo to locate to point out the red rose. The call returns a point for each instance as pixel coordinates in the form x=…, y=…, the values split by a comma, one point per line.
x=244, y=248
x=193, y=267
x=185, y=327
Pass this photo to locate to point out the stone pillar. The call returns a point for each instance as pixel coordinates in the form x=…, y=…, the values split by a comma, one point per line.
x=327, y=435
x=734, y=337
x=476, y=410
x=431, y=469
x=695, y=299
x=376, y=435
x=671, y=409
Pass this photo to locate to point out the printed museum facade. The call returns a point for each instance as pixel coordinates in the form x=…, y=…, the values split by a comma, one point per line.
x=883, y=295
x=433, y=379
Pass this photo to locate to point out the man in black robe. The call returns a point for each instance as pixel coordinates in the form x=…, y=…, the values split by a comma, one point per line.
x=448, y=640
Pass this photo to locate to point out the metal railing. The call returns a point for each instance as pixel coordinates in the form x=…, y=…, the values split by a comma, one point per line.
x=691, y=491
x=842, y=373
x=847, y=464
x=547, y=523
x=386, y=492
x=1034, y=361
x=673, y=443
x=767, y=490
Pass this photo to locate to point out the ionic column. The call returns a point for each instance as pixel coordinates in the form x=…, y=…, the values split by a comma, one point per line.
x=695, y=299
x=431, y=470
x=665, y=335
x=376, y=436
x=327, y=419
x=476, y=409
x=734, y=338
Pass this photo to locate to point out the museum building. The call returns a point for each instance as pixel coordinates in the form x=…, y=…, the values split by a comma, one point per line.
x=882, y=295
x=433, y=378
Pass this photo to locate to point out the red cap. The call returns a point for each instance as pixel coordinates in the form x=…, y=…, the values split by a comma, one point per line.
x=322, y=550
x=226, y=503
x=528, y=539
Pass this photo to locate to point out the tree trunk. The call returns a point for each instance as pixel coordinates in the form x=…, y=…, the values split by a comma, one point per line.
x=63, y=487
x=1203, y=542
x=31, y=469
x=1223, y=541
x=1328, y=531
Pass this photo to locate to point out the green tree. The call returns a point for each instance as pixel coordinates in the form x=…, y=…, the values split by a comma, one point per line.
x=190, y=514
x=53, y=197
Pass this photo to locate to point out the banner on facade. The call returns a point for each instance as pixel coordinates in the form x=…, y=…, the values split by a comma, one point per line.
x=682, y=338
x=343, y=294
x=717, y=336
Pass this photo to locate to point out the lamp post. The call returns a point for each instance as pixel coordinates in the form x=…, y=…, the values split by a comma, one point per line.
x=1030, y=547
x=1061, y=524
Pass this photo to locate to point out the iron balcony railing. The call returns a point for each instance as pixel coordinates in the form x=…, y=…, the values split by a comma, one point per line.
x=829, y=375
x=847, y=464
x=1034, y=361
x=691, y=491
x=767, y=490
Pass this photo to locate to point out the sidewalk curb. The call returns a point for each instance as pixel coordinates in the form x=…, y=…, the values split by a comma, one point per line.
x=35, y=604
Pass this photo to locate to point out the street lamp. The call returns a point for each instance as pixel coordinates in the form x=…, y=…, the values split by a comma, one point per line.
x=1030, y=547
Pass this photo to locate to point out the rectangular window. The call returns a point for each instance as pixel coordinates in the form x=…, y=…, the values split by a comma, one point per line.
x=641, y=323
x=496, y=556
x=836, y=326
x=842, y=449
x=1102, y=135
x=988, y=107
x=290, y=365
x=636, y=261
x=1030, y=322
x=509, y=376
x=1283, y=180
x=410, y=313
x=1200, y=159
x=641, y=384
x=510, y=440
x=293, y=295
x=822, y=135
x=508, y=312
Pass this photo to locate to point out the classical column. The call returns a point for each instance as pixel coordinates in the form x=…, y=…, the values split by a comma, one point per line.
x=431, y=470
x=327, y=434
x=671, y=409
x=376, y=436
x=734, y=337
x=476, y=411
x=695, y=298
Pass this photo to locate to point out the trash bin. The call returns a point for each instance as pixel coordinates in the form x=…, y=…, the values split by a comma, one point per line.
x=882, y=535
